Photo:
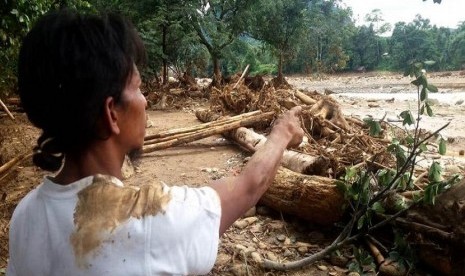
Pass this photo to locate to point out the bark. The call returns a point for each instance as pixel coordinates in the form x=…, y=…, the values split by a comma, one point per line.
x=295, y=161
x=216, y=81
x=165, y=62
x=313, y=198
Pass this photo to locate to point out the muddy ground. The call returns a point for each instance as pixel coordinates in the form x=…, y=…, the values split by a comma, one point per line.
x=271, y=234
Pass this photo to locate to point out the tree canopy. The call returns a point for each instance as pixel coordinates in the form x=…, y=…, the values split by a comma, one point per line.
x=212, y=37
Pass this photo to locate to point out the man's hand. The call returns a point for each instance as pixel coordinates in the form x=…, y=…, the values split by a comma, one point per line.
x=288, y=126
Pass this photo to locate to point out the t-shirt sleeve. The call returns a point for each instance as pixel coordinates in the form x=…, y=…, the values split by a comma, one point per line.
x=186, y=235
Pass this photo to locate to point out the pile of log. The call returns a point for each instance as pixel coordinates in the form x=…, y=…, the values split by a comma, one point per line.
x=305, y=186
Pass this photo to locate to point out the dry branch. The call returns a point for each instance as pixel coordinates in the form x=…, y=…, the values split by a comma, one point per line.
x=5, y=168
x=6, y=110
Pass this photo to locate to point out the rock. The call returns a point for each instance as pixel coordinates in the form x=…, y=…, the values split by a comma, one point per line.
x=287, y=253
x=251, y=212
x=256, y=257
x=243, y=223
x=271, y=256
x=222, y=259
x=459, y=102
x=263, y=210
x=262, y=245
x=339, y=260
x=240, y=248
x=276, y=225
x=287, y=241
x=239, y=270
x=302, y=250
x=281, y=238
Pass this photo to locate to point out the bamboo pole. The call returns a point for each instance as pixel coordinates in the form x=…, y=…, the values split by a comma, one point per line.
x=6, y=110
x=197, y=135
x=178, y=131
x=5, y=168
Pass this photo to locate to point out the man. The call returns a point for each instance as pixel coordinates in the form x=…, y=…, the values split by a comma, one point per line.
x=79, y=83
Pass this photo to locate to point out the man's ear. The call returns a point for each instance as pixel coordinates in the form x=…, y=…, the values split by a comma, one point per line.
x=110, y=116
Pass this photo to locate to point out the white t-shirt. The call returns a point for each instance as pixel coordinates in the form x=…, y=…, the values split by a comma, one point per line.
x=50, y=232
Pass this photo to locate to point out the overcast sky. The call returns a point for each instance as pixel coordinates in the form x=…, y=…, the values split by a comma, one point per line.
x=447, y=14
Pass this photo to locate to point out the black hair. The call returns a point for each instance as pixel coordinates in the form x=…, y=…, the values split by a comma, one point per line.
x=69, y=64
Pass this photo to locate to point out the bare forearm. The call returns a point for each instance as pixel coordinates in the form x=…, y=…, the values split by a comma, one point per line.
x=240, y=193
x=261, y=169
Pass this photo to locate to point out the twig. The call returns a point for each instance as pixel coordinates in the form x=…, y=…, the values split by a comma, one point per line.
x=6, y=110
x=242, y=76
x=375, y=252
x=5, y=168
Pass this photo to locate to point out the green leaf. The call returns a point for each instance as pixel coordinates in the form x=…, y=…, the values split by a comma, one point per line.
x=408, y=118
x=375, y=128
x=423, y=94
x=435, y=171
x=401, y=157
x=423, y=147
x=378, y=208
x=361, y=222
x=429, y=111
x=442, y=146
x=342, y=187
x=422, y=110
x=432, y=88
x=421, y=80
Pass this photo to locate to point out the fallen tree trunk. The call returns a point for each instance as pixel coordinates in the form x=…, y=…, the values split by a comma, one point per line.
x=295, y=161
x=313, y=198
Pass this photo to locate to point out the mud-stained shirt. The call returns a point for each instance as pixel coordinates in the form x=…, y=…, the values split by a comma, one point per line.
x=98, y=226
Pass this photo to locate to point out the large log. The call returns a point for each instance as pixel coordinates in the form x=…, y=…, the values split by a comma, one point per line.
x=313, y=198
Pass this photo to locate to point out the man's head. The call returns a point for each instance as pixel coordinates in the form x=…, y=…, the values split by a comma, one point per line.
x=69, y=66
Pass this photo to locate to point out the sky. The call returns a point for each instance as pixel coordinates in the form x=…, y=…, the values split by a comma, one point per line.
x=447, y=14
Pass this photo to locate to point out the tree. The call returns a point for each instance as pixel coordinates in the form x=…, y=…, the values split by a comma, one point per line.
x=281, y=25
x=17, y=19
x=327, y=42
x=376, y=20
x=457, y=47
x=366, y=47
x=413, y=41
x=218, y=24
